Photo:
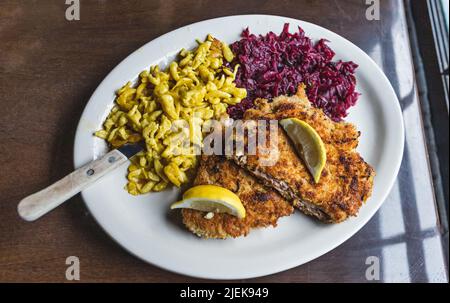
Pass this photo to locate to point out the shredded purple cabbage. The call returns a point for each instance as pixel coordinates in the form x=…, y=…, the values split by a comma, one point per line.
x=274, y=65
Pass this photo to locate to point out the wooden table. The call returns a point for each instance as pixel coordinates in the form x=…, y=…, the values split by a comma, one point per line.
x=49, y=67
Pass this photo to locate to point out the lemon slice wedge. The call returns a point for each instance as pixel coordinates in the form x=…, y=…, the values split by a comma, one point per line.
x=308, y=143
x=211, y=198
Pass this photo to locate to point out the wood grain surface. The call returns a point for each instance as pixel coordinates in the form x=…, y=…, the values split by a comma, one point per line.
x=49, y=67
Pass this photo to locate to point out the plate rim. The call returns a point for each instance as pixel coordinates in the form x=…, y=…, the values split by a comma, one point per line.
x=287, y=265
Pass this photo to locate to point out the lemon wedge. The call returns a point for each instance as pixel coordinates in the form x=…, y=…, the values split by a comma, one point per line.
x=308, y=144
x=211, y=198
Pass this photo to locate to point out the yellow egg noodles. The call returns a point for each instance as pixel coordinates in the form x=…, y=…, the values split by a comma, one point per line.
x=167, y=109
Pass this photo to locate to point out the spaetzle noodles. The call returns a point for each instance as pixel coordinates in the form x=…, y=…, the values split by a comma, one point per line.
x=163, y=105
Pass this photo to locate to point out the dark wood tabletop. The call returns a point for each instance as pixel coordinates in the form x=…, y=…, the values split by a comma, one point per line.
x=49, y=67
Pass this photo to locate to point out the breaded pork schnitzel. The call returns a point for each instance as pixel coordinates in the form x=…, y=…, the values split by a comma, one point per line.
x=263, y=205
x=346, y=181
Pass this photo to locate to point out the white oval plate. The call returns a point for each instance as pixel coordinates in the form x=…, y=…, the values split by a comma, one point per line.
x=146, y=227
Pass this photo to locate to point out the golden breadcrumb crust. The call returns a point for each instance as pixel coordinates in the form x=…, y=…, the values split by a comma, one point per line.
x=346, y=181
x=263, y=205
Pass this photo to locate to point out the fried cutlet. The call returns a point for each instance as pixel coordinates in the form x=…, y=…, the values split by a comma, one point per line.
x=263, y=205
x=346, y=181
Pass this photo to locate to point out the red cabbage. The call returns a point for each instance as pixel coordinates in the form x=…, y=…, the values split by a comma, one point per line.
x=274, y=65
